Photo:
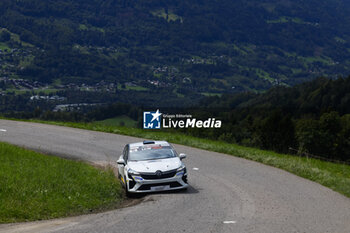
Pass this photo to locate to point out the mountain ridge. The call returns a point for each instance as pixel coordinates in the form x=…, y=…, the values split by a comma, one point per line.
x=200, y=46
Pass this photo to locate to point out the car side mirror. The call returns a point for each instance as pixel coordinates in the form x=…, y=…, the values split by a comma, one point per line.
x=182, y=156
x=121, y=161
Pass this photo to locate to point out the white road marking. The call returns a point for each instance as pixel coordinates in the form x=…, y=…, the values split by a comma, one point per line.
x=229, y=222
x=3, y=130
x=196, y=168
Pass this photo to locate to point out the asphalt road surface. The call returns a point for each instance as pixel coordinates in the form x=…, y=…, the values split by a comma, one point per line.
x=227, y=194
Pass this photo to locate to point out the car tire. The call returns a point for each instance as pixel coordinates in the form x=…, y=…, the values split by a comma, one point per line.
x=127, y=193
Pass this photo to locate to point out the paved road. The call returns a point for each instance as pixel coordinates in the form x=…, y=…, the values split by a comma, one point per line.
x=227, y=194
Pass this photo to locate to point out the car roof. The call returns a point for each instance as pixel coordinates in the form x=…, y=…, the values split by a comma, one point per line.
x=136, y=144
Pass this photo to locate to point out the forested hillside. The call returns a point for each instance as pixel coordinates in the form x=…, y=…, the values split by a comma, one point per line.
x=312, y=117
x=198, y=47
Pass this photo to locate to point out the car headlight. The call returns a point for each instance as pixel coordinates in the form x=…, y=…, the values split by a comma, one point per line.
x=181, y=170
x=134, y=175
x=132, y=172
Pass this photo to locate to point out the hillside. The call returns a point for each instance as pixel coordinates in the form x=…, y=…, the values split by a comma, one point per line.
x=312, y=117
x=190, y=48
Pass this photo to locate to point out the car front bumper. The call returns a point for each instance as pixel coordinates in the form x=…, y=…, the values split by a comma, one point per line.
x=137, y=184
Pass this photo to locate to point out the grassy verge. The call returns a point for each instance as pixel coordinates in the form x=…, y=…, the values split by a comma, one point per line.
x=332, y=175
x=34, y=186
x=119, y=121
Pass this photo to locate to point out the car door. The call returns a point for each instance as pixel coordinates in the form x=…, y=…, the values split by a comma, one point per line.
x=121, y=168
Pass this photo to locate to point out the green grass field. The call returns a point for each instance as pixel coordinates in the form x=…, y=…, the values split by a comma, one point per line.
x=171, y=16
x=16, y=38
x=84, y=27
x=332, y=175
x=34, y=186
x=4, y=47
x=133, y=88
x=118, y=121
x=45, y=91
x=211, y=94
x=263, y=74
x=285, y=19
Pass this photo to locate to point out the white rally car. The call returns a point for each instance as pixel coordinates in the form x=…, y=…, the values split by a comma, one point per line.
x=151, y=166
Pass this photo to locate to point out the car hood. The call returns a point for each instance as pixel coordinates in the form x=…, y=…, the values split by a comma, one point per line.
x=155, y=165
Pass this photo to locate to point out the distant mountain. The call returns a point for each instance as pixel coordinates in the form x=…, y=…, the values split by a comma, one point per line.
x=198, y=46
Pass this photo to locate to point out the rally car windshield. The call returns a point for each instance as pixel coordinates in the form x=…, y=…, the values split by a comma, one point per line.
x=151, y=153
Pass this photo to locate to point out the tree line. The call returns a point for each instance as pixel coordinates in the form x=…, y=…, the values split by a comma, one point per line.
x=313, y=117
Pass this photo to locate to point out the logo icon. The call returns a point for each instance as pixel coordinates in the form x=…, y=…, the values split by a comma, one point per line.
x=159, y=174
x=151, y=120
